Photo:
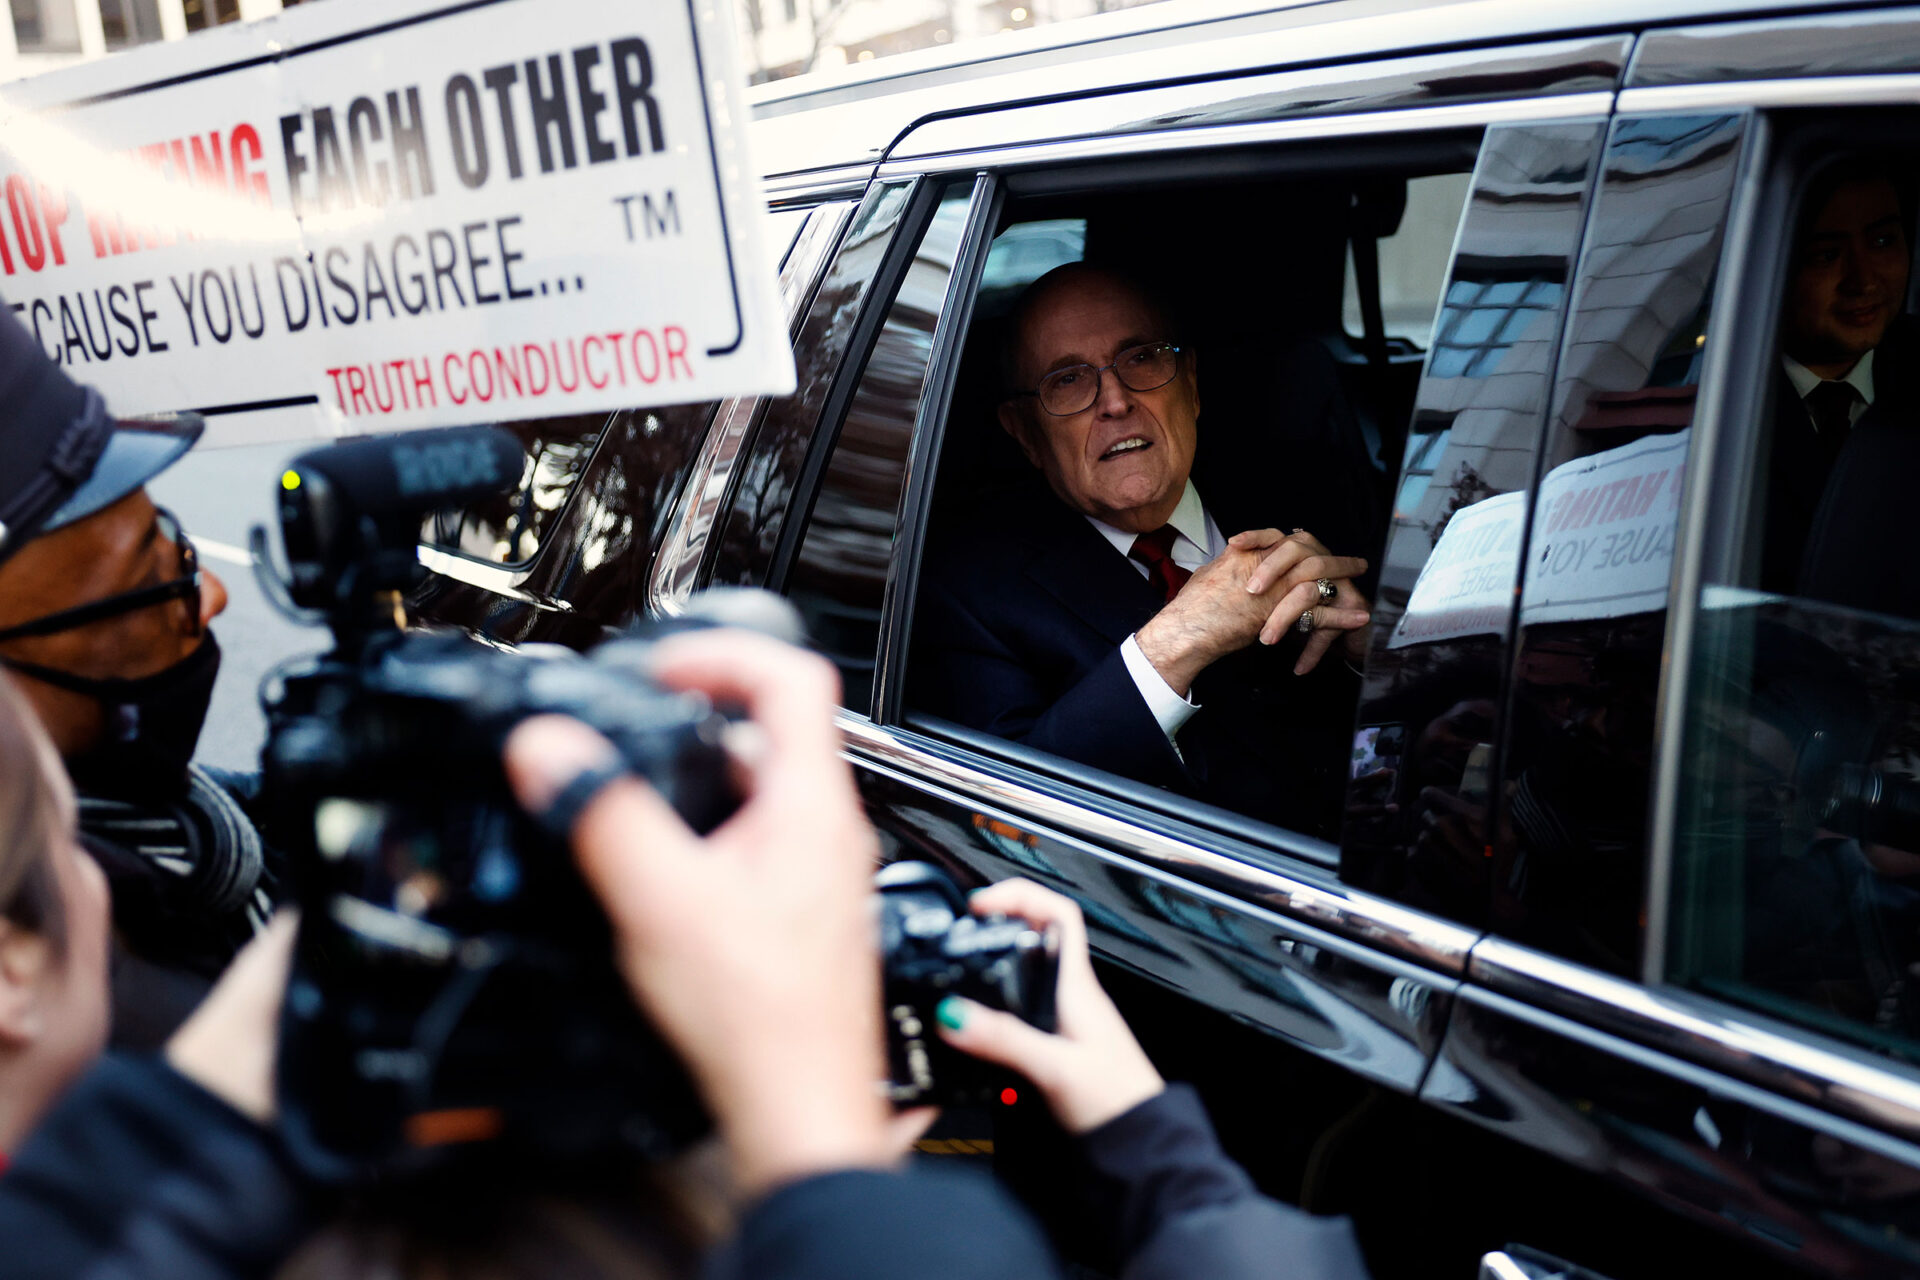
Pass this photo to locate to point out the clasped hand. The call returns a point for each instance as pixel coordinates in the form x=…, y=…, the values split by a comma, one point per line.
x=1257, y=589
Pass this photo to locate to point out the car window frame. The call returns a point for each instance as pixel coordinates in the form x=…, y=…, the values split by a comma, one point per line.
x=1254, y=842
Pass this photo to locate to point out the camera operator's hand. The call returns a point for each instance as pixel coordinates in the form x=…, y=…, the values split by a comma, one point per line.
x=227, y=1046
x=753, y=949
x=1093, y=1070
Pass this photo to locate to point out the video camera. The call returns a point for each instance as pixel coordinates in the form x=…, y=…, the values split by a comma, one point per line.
x=453, y=985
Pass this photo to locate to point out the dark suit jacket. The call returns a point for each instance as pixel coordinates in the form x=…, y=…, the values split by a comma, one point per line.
x=1023, y=607
x=1843, y=529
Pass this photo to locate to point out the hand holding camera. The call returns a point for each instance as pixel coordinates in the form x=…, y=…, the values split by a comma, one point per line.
x=752, y=949
x=1092, y=1069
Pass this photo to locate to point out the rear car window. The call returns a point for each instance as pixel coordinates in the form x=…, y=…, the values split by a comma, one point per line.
x=508, y=529
x=1797, y=849
x=1413, y=261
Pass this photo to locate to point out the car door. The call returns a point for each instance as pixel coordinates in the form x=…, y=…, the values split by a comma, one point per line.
x=1253, y=926
x=1647, y=1003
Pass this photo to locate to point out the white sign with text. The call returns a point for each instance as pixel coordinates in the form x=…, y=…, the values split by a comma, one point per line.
x=377, y=214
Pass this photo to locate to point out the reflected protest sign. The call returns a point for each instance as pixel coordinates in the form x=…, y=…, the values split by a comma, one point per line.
x=1601, y=547
x=1603, y=536
x=377, y=214
x=1466, y=586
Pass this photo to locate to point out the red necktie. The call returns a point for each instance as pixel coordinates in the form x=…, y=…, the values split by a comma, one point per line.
x=1155, y=550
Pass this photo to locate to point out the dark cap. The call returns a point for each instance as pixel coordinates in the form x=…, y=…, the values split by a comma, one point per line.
x=65, y=457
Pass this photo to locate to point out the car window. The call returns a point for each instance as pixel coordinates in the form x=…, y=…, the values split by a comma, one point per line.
x=1573, y=785
x=768, y=474
x=1413, y=261
x=1796, y=861
x=839, y=576
x=508, y=529
x=1422, y=759
x=1032, y=624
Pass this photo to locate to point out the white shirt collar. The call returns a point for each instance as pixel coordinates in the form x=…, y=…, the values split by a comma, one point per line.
x=1805, y=380
x=1189, y=520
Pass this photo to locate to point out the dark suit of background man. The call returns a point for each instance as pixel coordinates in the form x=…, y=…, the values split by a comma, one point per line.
x=1842, y=465
x=1108, y=617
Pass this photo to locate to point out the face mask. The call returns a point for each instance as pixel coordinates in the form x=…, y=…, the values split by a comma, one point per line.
x=150, y=725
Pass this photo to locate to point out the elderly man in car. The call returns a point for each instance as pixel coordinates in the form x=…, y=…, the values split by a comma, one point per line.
x=1141, y=606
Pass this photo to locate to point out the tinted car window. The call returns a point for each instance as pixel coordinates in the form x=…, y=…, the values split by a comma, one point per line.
x=1422, y=761
x=1568, y=860
x=770, y=466
x=839, y=577
x=1797, y=850
x=510, y=529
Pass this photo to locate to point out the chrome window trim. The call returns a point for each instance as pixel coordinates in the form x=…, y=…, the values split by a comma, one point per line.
x=1776, y=1057
x=1846, y=42
x=1341, y=89
x=1683, y=591
x=676, y=566
x=843, y=182
x=1375, y=922
x=1585, y=1040
x=499, y=579
x=1569, y=106
x=844, y=115
x=1817, y=91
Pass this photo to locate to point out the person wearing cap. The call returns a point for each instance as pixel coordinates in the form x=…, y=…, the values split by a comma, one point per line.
x=104, y=613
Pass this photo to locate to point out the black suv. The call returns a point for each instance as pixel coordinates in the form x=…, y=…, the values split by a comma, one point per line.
x=1617, y=956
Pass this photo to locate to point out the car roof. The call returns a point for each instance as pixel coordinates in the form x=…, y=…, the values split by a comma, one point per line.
x=850, y=116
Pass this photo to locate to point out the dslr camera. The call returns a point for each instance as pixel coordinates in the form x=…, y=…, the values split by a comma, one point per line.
x=453, y=989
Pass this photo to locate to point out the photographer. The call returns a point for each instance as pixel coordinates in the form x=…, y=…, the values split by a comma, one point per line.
x=1154, y=1175
x=752, y=949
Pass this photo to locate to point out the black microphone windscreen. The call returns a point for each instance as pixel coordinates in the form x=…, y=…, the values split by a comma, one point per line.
x=418, y=471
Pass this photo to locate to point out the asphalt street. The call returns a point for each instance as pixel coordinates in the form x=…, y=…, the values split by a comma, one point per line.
x=219, y=494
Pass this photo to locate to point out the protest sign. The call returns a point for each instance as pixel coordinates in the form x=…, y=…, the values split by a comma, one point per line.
x=377, y=214
x=1601, y=547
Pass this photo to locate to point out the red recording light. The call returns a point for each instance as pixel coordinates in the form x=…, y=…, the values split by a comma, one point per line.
x=1009, y=1095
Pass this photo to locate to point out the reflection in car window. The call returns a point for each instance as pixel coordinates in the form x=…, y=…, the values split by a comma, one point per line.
x=1422, y=757
x=507, y=529
x=1568, y=861
x=839, y=577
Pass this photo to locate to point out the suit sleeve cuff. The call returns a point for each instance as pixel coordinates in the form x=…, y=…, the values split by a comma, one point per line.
x=1169, y=709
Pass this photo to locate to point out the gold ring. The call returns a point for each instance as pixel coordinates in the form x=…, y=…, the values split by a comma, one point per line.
x=1306, y=622
x=1327, y=592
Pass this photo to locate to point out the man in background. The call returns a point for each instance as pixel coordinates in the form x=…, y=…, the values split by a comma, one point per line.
x=1846, y=356
x=104, y=613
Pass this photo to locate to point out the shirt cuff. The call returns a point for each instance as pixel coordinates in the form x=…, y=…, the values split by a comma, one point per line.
x=1169, y=709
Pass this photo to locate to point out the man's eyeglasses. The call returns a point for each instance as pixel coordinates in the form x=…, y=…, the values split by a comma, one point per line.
x=1071, y=390
x=185, y=587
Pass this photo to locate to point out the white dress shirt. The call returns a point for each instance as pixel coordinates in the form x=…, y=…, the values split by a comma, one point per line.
x=1804, y=380
x=1199, y=542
